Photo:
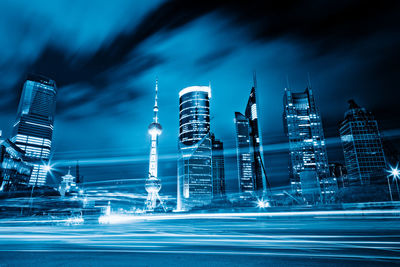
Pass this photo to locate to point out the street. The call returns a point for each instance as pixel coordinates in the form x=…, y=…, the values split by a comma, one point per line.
x=308, y=240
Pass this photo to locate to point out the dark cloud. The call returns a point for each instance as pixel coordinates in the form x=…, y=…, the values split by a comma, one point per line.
x=323, y=26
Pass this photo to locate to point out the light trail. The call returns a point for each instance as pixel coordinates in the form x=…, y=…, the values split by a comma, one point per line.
x=124, y=218
x=297, y=234
x=318, y=255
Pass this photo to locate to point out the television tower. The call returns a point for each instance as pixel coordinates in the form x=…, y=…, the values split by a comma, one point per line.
x=153, y=183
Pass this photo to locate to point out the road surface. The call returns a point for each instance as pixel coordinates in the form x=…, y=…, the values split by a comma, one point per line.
x=312, y=240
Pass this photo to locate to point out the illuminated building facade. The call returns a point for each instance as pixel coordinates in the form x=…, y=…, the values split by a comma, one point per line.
x=244, y=155
x=218, y=168
x=251, y=112
x=33, y=129
x=153, y=183
x=68, y=184
x=195, y=156
x=308, y=156
x=250, y=156
x=14, y=170
x=362, y=146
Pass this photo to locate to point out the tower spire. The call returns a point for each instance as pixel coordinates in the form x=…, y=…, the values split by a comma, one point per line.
x=153, y=183
x=309, y=80
x=254, y=79
x=155, y=109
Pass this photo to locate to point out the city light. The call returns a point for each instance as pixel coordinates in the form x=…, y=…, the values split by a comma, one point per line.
x=394, y=172
x=47, y=168
x=263, y=204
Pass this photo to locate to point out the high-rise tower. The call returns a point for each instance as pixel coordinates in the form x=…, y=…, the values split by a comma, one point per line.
x=308, y=156
x=153, y=183
x=362, y=146
x=33, y=129
x=250, y=155
x=218, y=167
x=251, y=112
x=194, y=163
x=244, y=156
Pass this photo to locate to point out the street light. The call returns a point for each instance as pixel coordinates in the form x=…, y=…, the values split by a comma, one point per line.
x=395, y=173
x=263, y=204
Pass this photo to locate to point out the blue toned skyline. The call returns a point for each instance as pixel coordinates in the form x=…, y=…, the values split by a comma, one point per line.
x=105, y=58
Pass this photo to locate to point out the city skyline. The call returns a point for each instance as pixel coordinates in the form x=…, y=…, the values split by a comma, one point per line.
x=337, y=75
x=199, y=133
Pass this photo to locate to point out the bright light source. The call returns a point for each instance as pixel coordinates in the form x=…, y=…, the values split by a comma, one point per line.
x=263, y=204
x=47, y=168
x=394, y=172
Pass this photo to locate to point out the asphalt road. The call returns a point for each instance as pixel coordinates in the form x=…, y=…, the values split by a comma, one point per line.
x=312, y=240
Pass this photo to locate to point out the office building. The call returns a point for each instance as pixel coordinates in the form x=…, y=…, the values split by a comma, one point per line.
x=252, y=114
x=14, y=170
x=195, y=156
x=362, y=146
x=244, y=156
x=218, y=167
x=33, y=129
x=250, y=156
x=308, y=157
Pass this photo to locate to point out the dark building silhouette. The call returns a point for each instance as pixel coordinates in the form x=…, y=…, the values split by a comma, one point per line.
x=339, y=171
x=308, y=157
x=195, y=157
x=362, y=146
x=33, y=129
x=218, y=168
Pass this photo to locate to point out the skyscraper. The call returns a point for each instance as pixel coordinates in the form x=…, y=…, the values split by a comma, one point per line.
x=33, y=129
x=153, y=183
x=308, y=156
x=14, y=170
x=250, y=156
x=244, y=155
x=251, y=112
x=194, y=163
x=218, y=168
x=362, y=146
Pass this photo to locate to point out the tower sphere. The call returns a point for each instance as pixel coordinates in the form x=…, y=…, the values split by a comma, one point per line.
x=153, y=184
x=155, y=128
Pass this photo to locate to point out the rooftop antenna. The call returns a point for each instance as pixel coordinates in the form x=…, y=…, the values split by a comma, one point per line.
x=287, y=81
x=155, y=109
x=309, y=80
x=254, y=80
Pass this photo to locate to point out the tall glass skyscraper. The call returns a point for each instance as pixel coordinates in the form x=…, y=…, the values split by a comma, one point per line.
x=218, y=167
x=194, y=163
x=260, y=180
x=308, y=156
x=33, y=129
x=244, y=155
x=362, y=146
x=250, y=158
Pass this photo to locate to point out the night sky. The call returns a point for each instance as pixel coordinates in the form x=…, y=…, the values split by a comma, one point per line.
x=106, y=55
